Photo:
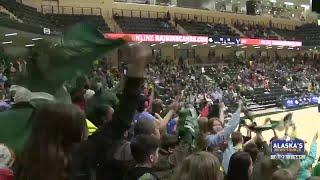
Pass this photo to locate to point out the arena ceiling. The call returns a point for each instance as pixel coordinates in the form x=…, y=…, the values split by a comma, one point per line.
x=17, y=43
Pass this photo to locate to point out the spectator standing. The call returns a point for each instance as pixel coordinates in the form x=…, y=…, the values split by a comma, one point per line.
x=144, y=150
x=200, y=165
x=240, y=166
x=56, y=130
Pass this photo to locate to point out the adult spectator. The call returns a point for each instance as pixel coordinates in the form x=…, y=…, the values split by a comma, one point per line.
x=143, y=127
x=217, y=139
x=95, y=157
x=306, y=163
x=165, y=166
x=200, y=165
x=240, y=166
x=56, y=130
x=144, y=150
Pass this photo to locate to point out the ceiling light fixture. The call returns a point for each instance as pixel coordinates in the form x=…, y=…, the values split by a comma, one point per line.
x=29, y=45
x=36, y=39
x=11, y=34
x=7, y=42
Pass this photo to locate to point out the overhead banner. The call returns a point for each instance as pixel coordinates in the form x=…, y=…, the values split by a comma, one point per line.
x=159, y=38
x=246, y=41
x=224, y=40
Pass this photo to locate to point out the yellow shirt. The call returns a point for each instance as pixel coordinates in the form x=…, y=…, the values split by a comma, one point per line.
x=91, y=127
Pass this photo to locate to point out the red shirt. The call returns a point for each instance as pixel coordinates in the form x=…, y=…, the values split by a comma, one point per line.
x=6, y=174
x=205, y=112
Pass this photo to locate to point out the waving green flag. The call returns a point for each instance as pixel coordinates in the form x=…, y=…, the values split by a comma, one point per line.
x=48, y=67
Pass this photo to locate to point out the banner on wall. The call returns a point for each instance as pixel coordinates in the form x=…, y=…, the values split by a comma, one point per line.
x=246, y=41
x=302, y=101
x=159, y=38
x=224, y=40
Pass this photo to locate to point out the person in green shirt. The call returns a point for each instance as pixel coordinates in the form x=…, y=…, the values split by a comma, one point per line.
x=316, y=169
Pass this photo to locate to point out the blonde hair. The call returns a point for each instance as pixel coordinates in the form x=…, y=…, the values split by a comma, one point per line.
x=200, y=165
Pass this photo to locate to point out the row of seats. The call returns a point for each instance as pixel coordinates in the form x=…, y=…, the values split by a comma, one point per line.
x=5, y=21
x=30, y=15
x=145, y=25
x=308, y=33
x=202, y=28
x=256, y=31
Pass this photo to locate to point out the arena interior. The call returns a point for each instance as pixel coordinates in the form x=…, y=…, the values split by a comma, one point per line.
x=158, y=89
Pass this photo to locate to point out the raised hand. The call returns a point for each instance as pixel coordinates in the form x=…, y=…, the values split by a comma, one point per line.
x=315, y=136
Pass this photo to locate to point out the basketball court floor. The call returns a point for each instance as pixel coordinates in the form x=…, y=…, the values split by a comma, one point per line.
x=307, y=122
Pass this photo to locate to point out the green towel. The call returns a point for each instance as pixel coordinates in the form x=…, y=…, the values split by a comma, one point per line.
x=50, y=65
x=16, y=127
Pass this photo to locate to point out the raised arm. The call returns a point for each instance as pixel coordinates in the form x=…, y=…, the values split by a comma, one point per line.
x=216, y=139
x=234, y=122
x=309, y=160
x=137, y=58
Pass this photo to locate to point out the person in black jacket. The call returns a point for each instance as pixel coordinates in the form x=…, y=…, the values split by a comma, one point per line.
x=144, y=149
x=95, y=157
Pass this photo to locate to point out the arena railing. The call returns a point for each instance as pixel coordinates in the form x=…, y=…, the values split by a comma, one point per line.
x=138, y=13
x=200, y=18
x=49, y=9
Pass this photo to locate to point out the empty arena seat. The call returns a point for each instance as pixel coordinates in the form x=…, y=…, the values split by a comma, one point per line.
x=145, y=25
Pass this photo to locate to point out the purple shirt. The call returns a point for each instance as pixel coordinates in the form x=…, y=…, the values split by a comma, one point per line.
x=143, y=116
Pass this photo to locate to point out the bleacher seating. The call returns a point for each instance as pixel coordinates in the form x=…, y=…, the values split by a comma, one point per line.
x=6, y=21
x=256, y=31
x=145, y=25
x=202, y=28
x=30, y=15
x=308, y=33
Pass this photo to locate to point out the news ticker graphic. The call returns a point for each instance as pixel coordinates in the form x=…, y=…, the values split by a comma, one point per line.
x=302, y=101
x=287, y=149
x=200, y=39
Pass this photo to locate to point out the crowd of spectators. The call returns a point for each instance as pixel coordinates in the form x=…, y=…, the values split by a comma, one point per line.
x=149, y=120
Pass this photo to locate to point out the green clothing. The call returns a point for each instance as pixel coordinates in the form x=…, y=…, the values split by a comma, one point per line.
x=316, y=170
x=16, y=126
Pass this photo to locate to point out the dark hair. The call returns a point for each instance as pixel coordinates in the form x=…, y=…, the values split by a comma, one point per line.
x=236, y=138
x=282, y=174
x=144, y=127
x=252, y=149
x=169, y=141
x=47, y=155
x=214, y=111
x=142, y=146
x=157, y=106
x=239, y=166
